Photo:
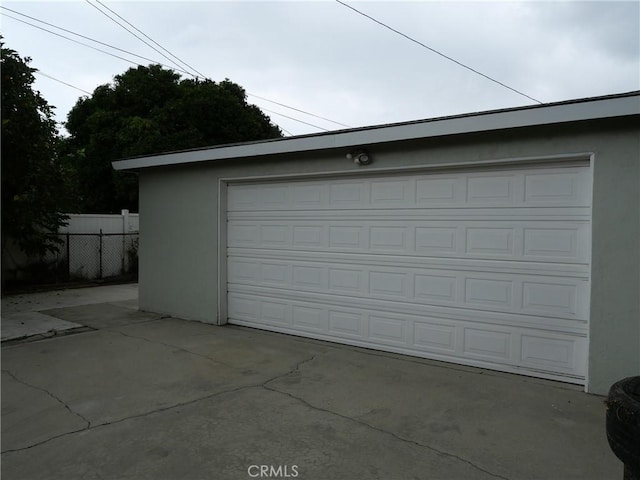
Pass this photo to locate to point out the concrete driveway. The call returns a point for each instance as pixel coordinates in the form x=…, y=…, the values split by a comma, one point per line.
x=135, y=395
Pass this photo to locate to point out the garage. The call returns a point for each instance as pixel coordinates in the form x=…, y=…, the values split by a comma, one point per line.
x=505, y=239
x=485, y=267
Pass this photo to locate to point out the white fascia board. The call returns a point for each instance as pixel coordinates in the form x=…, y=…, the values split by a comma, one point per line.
x=481, y=122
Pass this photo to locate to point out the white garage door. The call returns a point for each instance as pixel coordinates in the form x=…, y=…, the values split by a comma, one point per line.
x=486, y=268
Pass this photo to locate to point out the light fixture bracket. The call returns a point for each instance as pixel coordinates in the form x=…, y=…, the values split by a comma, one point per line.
x=359, y=157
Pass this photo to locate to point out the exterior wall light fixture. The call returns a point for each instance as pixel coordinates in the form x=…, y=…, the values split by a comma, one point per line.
x=359, y=157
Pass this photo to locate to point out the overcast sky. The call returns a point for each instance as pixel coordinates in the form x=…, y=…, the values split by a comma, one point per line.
x=326, y=59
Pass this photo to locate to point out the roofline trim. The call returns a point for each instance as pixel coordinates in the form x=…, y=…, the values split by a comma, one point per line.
x=561, y=112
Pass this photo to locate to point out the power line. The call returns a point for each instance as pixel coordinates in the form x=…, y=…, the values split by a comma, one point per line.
x=39, y=72
x=192, y=68
x=141, y=39
x=150, y=60
x=297, y=120
x=436, y=51
x=185, y=64
x=298, y=110
x=85, y=37
x=285, y=130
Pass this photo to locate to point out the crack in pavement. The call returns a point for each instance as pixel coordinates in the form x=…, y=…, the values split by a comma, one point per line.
x=132, y=417
x=296, y=368
x=373, y=427
x=52, y=395
x=155, y=342
x=264, y=385
x=151, y=412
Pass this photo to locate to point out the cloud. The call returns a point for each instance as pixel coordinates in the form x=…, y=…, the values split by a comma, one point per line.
x=324, y=58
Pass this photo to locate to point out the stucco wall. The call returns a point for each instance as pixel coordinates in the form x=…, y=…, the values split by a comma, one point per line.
x=615, y=314
x=179, y=223
x=177, y=252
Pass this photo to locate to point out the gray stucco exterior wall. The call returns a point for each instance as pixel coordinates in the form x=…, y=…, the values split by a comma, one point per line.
x=179, y=221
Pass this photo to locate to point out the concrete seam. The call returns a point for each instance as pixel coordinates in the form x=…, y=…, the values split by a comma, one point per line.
x=294, y=369
x=163, y=409
x=140, y=415
x=176, y=405
x=44, y=441
x=169, y=345
x=207, y=397
x=394, y=435
x=56, y=398
x=368, y=425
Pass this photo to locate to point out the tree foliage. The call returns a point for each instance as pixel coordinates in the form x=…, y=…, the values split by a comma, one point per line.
x=33, y=180
x=150, y=110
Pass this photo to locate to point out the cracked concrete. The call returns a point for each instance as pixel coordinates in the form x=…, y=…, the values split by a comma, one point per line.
x=48, y=393
x=31, y=415
x=144, y=396
x=390, y=433
x=24, y=316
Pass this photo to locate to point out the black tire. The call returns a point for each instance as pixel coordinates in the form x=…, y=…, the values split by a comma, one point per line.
x=623, y=424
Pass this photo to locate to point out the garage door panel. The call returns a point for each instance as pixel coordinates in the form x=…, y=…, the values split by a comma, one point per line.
x=243, y=308
x=566, y=187
x=440, y=190
x=347, y=194
x=413, y=213
x=468, y=342
x=537, y=241
x=275, y=312
x=309, y=236
x=389, y=238
x=310, y=318
x=345, y=280
x=471, y=264
x=433, y=335
x=557, y=353
x=309, y=196
x=492, y=345
x=487, y=268
x=545, y=295
x=343, y=323
x=391, y=192
x=454, y=313
x=345, y=238
x=493, y=189
x=387, y=329
x=563, y=188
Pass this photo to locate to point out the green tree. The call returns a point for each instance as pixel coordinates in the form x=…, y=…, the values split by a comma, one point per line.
x=33, y=180
x=150, y=110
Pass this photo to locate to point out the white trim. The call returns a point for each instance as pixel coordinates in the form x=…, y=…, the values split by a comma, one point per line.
x=568, y=159
x=592, y=159
x=589, y=109
x=557, y=160
x=222, y=253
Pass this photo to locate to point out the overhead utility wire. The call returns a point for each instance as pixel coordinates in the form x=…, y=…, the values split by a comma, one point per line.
x=116, y=56
x=297, y=110
x=141, y=39
x=192, y=68
x=436, y=51
x=292, y=118
x=145, y=58
x=39, y=72
x=88, y=38
x=185, y=64
x=289, y=134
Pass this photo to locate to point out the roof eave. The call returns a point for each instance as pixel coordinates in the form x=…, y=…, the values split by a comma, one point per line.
x=590, y=109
